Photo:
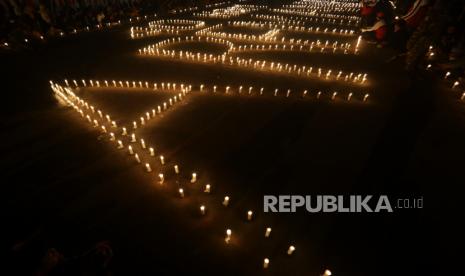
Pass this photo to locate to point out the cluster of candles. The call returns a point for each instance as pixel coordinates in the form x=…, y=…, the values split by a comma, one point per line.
x=232, y=11
x=271, y=37
x=195, y=8
x=171, y=26
x=305, y=12
x=324, y=7
x=311, y=19
x=116, y=135
x=212, y=31
x=143, y=153
x=262, y=65
x=455, y=85
x=291, y=28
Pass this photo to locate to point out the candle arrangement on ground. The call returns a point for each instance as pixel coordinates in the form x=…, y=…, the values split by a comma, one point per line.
x=126, y=136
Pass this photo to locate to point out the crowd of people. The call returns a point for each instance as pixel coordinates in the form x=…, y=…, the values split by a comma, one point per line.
x=428, y=33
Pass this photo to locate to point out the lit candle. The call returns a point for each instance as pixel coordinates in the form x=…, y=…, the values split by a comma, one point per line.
x=147, y=167
x=133, y=138
x=207, y=188
x=124, y=132
x=142, y=143
x=194, y=178
x=181, y=192
x=226, y=201
x=152, y=152
x=202, y=209
x=228, y=235
x=134, y=124
x=131, y=152
x=266, y=263
x=249, y=215
x=365, y=98
x=290, y=250
x=161, y=178
x=162, y=160
x=137, y=158
x=268, y=232
x=455, y=84
x=176, y=169
x=120, y=144
x=327, y=273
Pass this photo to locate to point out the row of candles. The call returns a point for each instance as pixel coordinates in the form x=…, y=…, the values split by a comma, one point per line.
x=232, y=11
x=455, y=85
x=171, y=26
x=326, y=15
x=102, y=120
x=191, y=9
x=262, y=65
x=311, y=19
x=271, y=37
x=175, y=87
x=292, y=28
x=322, y=3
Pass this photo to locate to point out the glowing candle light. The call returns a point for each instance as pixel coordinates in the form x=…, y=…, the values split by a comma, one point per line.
x=318, y=94
x=120, y=144
x=455, y=84
x=226, y=201
x=134, y=125
x=333, y=97
x=447, y=75
x=176, y=169
x=349, y=97
x=152, y=152
x=112, y=136
x=228, y=235
x=194, y=178
x=268, y=232
x=275, y=92
x=202, y=209
x=365, y=98
x=327, y=272
x=290, y=250
x=161, y=178
x=181, y=192
x=266, y=263
x=288, y=93
x=137, y=158
x=133, y=138
x=131, y=151
x=162, y=160
x=142, y=143
x=249, y=215
x=463, y=97
x=147, y=167
x=207, y=189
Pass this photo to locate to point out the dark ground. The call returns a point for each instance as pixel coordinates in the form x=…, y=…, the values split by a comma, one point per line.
x=64, y=188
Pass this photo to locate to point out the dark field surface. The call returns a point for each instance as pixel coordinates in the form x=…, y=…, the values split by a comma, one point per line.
x=64, y=187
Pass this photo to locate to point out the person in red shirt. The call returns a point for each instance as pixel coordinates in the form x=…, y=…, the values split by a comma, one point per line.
x=378, y=32
x=367, y=12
